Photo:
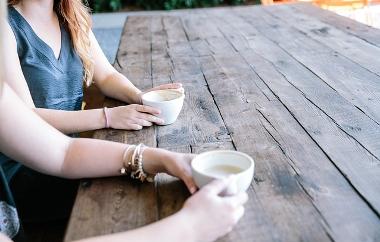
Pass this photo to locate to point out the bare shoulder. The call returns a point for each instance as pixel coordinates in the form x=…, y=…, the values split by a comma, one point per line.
x=9, y=36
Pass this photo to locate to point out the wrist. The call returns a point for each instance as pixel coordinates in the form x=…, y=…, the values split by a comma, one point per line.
x=185, y=220
x=154, y=160
x=137, y=96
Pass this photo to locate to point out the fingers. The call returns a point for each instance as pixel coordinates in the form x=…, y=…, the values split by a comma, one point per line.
x=150, y=118
x=190, y=184
x=147, y=109
x=168, y=86
x=217, y=185
x=135, y=127
x=237, y=200
x=143, y=122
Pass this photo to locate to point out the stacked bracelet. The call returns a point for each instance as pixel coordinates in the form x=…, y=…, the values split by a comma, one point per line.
x=133, y=163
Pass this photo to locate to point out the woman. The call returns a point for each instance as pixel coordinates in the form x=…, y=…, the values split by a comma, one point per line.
x=52, y=52
x=26, y=137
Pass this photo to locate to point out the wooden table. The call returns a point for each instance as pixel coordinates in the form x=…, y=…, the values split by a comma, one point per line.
x=295, y=87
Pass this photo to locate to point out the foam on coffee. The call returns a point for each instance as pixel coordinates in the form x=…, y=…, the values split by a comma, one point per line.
x=222, y=170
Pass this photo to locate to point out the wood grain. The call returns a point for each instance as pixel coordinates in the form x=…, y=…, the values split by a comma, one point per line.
x=304, y=104
x=289, y=85
x=105, y=206
x=348, y=25
x=334, y=58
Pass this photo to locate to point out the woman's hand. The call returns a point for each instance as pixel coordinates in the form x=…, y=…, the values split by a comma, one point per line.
x=172, y=163
x=210, y=215
x=179, y=165
x=133, y=117
x=177, y=86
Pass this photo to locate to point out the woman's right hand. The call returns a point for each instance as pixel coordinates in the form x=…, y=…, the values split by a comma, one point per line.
x=133, y=117
x=211, y=215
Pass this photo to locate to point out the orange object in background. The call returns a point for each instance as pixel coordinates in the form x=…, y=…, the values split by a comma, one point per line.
x=353, y=4
x=271, y=2
x=364, y=11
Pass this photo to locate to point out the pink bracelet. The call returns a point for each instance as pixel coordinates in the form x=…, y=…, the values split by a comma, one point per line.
x=105, y=110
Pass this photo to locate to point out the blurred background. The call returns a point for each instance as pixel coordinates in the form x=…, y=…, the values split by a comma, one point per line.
x=128, y=5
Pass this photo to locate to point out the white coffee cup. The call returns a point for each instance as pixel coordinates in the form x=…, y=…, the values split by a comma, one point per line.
x=219, y=164
x=169, y=101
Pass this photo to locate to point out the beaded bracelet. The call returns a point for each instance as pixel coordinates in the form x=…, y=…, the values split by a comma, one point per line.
x=134, y=166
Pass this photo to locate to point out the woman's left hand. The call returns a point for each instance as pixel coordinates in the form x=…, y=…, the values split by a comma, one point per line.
x=177, y=86
x=172, y=163
x=179, y=165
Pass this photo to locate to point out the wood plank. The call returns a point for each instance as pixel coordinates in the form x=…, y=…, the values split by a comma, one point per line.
x=199, y=123
x=350, y=119
x=239, y=117
x=355, y=83
x=346, y=24
x=309, y=170
x=312, y=180
x=352, y=47
x=307, y=159
x=93, y=214
x=276, y=196
x=200, y=120
x=278, y=70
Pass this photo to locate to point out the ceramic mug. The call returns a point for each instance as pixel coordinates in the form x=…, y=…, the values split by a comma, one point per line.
x=222, y=163
x=169, y=101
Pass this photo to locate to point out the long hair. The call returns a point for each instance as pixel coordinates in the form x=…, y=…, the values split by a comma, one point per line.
x=76, y=18
x=3, y=16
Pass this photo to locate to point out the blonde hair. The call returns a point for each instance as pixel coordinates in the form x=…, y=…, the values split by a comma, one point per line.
x=76, y=17
x=3, y=16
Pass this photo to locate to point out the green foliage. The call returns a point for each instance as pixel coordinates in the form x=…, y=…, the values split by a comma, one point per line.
x=105, y=5
x=114, y=5
x=173, y=4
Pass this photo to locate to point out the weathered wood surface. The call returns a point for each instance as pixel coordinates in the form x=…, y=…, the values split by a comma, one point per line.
x=266, y=81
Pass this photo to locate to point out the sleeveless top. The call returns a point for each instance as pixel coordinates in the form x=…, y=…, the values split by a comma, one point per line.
x=53, y=83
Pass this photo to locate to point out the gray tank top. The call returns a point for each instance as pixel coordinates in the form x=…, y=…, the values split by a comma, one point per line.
x=53, y=83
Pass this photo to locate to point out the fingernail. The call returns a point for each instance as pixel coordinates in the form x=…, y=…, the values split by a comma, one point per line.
x=193, y=190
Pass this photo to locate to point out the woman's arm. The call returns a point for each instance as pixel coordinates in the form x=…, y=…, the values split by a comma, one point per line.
x=108, y=80
x=132, y=117
x=204, y=217
x=114, y=84
x=162, y=229
x=25, y=137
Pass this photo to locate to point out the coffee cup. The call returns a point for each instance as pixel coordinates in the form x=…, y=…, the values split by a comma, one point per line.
x=169, y=101
x=219, y=164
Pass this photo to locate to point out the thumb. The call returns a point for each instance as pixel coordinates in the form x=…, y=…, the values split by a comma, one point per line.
x=190, y=184
x=218, y=185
